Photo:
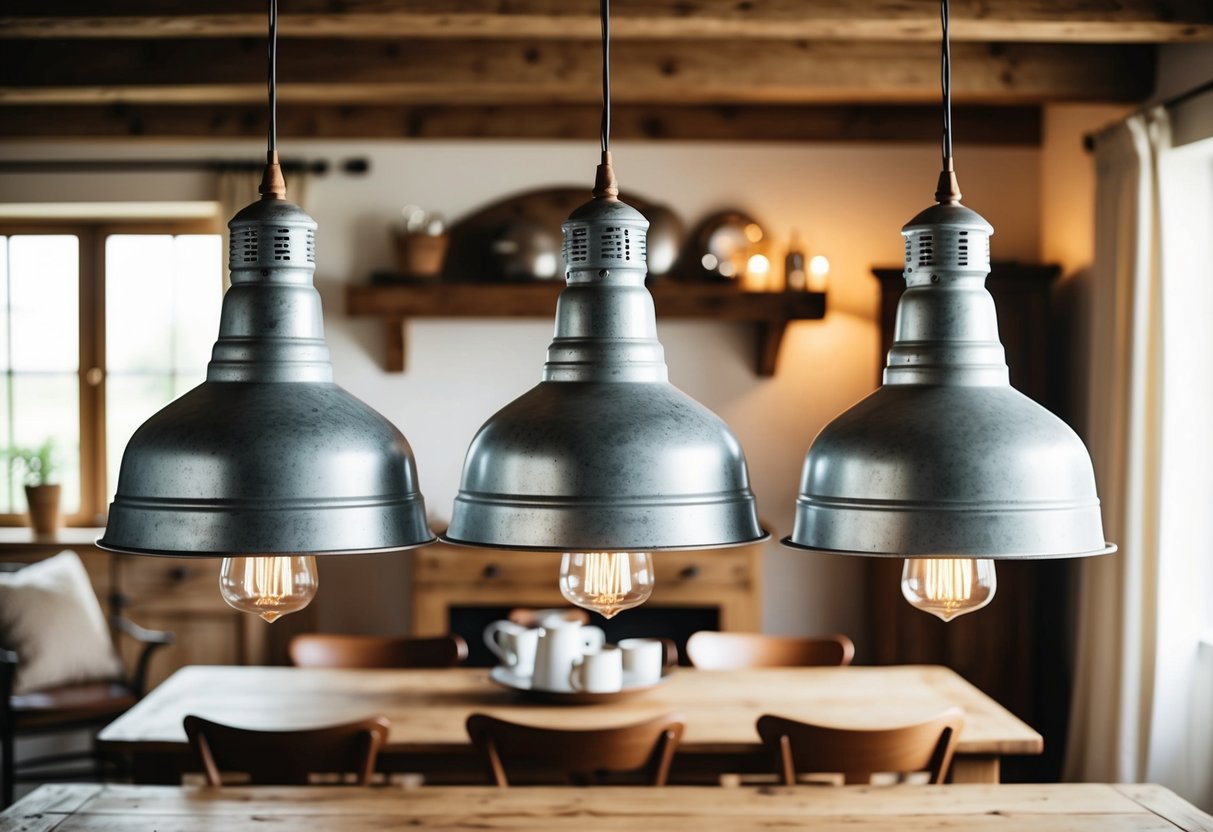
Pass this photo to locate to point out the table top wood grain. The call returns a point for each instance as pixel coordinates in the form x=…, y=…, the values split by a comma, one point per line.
x=1072, y=807
x=428, y=708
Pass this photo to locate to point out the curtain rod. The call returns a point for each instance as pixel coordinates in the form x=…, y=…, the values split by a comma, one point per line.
x=319, y=167
x=1088, y=141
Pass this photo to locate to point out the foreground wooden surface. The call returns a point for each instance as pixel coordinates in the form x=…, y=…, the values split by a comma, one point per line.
x=1042, y=808
x=428, y=708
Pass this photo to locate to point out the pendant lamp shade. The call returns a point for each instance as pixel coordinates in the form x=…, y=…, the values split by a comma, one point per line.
x=268, y=455
x=604, y=454
x=946, y=459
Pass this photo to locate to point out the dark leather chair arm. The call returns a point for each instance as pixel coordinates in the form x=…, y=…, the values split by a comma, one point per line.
x=151, y=640
x=8, y=673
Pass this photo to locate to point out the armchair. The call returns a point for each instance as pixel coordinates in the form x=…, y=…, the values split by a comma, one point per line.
x=69, y=708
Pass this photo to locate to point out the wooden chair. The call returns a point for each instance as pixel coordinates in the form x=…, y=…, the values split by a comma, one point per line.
x=287, y=758
x=69, y=708
x=579, y=757
x=710, y=650
x=801, y=747
x=326, y=650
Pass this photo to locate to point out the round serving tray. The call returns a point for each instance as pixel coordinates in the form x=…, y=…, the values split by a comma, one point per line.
x=522, y=686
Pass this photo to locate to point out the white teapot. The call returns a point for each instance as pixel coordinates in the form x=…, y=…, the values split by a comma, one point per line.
x=561, y=643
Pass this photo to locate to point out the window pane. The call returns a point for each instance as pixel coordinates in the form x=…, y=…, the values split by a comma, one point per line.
x=129, y=401
x=139, y=303
x=7, y=481
x=199, y=290
x=163, y=295
x=48, y=407
x=4, y=311
x=44, y=288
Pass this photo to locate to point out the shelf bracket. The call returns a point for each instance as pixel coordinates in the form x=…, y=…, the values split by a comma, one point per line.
x=394, y=360
x=770, y=336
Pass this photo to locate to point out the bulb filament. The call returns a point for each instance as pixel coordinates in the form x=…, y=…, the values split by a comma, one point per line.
x=273, y=582
x=948, y=580
x=608, y=580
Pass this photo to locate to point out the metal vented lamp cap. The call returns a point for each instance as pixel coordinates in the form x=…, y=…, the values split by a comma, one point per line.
x=946, y=459
x=268, y=455
x=604, y=453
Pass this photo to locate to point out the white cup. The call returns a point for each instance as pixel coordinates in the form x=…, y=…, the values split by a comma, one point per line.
x=514, y=645
x=600, y=672
x=643, y=660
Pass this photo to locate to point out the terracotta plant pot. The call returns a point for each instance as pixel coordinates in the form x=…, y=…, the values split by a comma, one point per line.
x=44, y=517
x=420, y=255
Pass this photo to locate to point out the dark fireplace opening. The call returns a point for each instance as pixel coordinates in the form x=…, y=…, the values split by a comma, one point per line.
x=677, y=623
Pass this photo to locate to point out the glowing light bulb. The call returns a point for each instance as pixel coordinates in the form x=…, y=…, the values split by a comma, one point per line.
x=270, y=586
x=606, y=582
x=758, y=264
x=948, y=587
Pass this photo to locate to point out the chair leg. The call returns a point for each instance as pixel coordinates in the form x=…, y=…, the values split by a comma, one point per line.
x=785, y=757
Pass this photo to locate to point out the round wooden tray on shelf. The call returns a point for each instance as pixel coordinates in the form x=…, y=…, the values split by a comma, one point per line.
x=521, y=685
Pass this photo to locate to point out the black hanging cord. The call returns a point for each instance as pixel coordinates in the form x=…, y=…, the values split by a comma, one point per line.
x=273, y=186
x=272, y=138
x=605, y=11
x=605, y=185
x=948, y=189
x=946, y=81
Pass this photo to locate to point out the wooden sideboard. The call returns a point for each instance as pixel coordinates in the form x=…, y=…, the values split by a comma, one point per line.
x=176, y=594
x=456, y=588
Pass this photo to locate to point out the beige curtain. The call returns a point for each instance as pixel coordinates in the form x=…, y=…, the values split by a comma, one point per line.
x=1140, y=710
x=234, y=189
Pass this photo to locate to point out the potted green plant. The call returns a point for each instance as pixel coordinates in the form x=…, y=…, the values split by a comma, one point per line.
x=39, y=468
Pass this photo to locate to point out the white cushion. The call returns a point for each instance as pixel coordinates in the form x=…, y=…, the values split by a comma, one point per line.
x=50, y=616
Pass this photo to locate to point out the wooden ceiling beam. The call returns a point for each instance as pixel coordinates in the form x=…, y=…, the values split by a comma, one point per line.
x=973, y=125
x=1095, y=21
x=555, y=72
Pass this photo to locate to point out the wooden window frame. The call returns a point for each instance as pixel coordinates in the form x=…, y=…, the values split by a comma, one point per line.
x=90, y=320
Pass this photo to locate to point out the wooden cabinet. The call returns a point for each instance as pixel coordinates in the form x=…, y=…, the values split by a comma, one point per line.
x=1014, y=649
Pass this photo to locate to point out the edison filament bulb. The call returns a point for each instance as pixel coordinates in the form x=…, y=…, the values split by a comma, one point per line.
x=606, y=582
x=269, y=586
x=948, y=587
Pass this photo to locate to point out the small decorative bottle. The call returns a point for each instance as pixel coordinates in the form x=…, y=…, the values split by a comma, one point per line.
x=794, y=275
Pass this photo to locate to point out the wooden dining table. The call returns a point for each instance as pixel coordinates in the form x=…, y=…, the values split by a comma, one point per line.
x=429, y=708
x=1068, y=807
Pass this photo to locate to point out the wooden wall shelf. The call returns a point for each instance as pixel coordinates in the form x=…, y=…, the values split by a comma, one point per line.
x=768, y=312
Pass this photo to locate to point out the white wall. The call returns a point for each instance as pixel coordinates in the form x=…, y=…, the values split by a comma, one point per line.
x=849, y=203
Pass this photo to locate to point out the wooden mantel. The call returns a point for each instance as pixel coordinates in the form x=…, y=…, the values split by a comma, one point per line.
x=768, y=312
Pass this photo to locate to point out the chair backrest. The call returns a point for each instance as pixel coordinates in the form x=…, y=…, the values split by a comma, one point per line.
x=580, y=757
x=287, y=758
x=801, y=747
x=327, y=650
x=710, y=650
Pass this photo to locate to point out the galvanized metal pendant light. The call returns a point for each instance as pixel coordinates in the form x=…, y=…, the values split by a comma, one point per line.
x=267, y=457
x=605, y=459
x=947, y=464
